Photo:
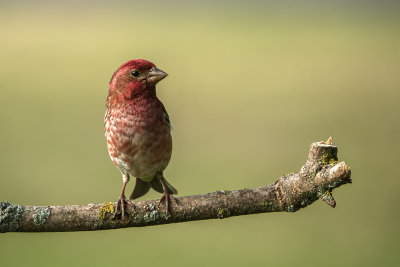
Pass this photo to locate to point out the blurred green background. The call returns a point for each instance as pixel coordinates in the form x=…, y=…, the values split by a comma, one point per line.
x=251, y=85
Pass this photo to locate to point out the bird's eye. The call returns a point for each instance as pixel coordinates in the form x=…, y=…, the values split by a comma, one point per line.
x=135, y=73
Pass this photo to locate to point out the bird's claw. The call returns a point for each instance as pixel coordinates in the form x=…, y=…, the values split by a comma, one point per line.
x=166, y=198
x=121, y=207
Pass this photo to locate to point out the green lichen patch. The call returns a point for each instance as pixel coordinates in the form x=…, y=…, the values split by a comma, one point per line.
x=223, y=213
x=291, y=208
x=107, y=207
x=325, y=158
x=151, y=216
x=328, y=198
x=332, y=162
x=41, y=215
x=267, y=205
x=312, y=174
x=328, y=158
x=327, y=193
x=10, y=216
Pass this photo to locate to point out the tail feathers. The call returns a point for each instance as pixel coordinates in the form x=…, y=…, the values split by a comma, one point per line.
x=171, y=190
x=156, y=185
x=157, y=182
x=141, y=188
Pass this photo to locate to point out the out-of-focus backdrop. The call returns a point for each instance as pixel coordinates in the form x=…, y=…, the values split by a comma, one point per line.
x=250, y=86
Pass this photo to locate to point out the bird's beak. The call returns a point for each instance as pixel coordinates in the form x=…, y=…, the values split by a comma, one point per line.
x=155, y=75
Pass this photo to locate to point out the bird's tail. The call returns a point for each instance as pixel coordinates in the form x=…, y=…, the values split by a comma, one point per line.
x=157, y=184
x=142, y=187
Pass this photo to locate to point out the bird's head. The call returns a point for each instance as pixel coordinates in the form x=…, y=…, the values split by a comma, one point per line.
x=133, y=79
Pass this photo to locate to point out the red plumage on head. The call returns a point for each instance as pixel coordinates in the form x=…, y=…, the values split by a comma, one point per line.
x=122, y=88
x=138, y=64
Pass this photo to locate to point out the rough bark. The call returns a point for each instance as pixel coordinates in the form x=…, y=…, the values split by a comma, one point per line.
x=317, y=177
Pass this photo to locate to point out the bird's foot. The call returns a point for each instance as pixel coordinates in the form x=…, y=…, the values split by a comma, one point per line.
x=121, y=207
x=166, y=198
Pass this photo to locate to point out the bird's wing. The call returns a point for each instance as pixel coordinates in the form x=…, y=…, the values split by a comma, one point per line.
x=166, y=117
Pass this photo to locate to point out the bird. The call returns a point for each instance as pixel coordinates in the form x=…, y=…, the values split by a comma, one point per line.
x=138, y=131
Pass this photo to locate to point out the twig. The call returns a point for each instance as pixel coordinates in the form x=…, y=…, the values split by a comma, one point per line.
x=317, y=177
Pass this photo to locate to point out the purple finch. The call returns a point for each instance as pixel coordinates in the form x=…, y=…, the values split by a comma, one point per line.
x=137, y=129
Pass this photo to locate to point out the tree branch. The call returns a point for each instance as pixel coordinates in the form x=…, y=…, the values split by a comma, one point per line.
x=317, y=177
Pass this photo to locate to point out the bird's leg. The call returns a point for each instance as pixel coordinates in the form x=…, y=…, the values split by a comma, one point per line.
x=122, y=201
x=166, y=198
